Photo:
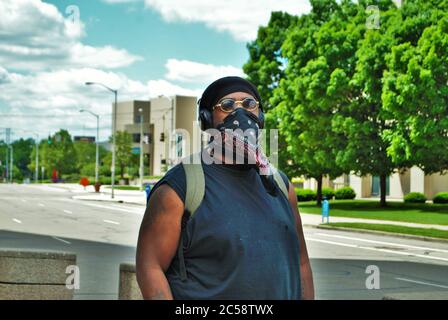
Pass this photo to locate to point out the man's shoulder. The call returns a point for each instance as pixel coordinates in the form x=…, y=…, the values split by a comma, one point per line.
x=175, y=178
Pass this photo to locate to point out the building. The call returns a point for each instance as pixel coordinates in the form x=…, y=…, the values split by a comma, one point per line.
x=168, y=124
x=397, y=185
x=88, y=139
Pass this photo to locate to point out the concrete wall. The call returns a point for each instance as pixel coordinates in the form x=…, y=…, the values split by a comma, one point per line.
x=186, y=119
x=128, y=287
x=30, y=275
x=161, y=121
x=436, y=183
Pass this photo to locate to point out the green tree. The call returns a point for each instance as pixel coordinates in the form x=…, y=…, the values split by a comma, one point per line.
x=415, y=94
x=320, y=56
x=86, y=157
x=57, y=152
x=22, y=153
x=361, y=120
x=123, y=151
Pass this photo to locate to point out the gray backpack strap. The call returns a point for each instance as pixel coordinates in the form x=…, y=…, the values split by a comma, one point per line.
x=195, y=182
x=195, y=190
x=280, y=182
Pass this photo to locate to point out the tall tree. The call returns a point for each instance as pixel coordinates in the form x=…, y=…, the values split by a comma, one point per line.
x=56, y=153
x=123, y=147
x=415, y=95
x=320, y=54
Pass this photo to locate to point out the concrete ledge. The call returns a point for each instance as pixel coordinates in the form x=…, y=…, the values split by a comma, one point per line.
x=128, y=287
x=34, y=275
x=429, y=295
x=376, y=232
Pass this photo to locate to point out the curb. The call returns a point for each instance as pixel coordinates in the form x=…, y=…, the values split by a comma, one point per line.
x=110, y=201
x=375, y=232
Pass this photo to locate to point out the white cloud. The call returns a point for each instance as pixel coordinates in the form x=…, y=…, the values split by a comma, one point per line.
x=35, y=36
x=240, y=18
x=50, y=100
x=191, y=71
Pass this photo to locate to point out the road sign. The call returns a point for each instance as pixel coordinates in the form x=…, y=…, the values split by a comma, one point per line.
x=135, y=150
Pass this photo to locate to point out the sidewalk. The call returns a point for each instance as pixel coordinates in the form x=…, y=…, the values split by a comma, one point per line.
x=121, y=196
x=89, y=194
x=316, y=219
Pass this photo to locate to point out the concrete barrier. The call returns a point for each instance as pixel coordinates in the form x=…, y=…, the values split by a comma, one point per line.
x=421, y=295
x=32, y=275
x=128, y=287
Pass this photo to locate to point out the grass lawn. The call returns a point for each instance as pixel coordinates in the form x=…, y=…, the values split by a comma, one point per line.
x=434, y=233
x=395, y=211
x=125, y=188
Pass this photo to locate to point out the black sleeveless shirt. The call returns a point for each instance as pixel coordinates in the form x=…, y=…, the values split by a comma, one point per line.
x=241, y=243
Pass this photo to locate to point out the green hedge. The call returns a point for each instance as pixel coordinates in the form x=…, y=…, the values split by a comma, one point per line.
x=415, y=197
x=345, y=193
x=305, y=194
x=107, y=180
x=327, y=193
x=441, y=197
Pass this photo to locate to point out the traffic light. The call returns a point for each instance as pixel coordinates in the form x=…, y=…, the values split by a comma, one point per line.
x=162, y=137
x=49, y=140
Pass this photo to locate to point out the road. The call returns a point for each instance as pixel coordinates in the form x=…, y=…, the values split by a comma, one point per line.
x=104, y=234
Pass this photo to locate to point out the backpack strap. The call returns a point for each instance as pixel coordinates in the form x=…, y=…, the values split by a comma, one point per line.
x=280, y=182
x=195, y=190
x=195, y=182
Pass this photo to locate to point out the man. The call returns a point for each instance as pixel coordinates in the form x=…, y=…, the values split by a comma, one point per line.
x=245, y=240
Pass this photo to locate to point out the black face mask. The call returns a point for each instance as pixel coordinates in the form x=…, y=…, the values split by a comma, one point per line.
x=239, y=134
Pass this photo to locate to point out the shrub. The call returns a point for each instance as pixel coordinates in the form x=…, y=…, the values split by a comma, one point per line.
x=107, y=180
x=88, y=170
x=71, y=178
x=415, y=197
x=441, y=197
x=327, y=193
x=305, y=194
x=345, y=193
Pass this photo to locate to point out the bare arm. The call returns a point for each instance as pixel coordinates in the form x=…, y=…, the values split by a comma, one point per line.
x=306, y=274
x=157, y=242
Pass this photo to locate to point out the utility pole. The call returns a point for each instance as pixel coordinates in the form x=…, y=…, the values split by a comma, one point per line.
x=114, y=124
x=8, y=140
x=97, y=156
x=11, y=164
x=140, y=110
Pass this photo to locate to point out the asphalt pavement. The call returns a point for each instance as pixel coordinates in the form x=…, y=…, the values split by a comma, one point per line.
x=104, y=234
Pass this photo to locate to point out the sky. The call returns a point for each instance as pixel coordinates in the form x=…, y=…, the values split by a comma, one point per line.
x=142, y=48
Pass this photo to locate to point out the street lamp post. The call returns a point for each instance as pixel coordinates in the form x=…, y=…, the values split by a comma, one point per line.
x=140, y=110
x=115, y=92
x=11, y=164
x=97, y=156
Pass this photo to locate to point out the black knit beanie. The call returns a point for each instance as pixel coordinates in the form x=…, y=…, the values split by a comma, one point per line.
x=222, y=87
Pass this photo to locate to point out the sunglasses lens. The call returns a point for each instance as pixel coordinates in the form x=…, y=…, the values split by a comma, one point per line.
x=227, y=104
x=249, y=103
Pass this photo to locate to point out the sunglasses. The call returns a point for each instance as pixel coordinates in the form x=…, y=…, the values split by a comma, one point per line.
x=229, y=104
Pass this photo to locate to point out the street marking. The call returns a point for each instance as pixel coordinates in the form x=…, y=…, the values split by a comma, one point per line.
x=68, y=211
x=381, y=250
x=17, y=220
x=383, y=242
x=112, y=222
x=23, y=200
x=424, y=283
x=62, y=240
x=141, y=212
x=41, y=205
